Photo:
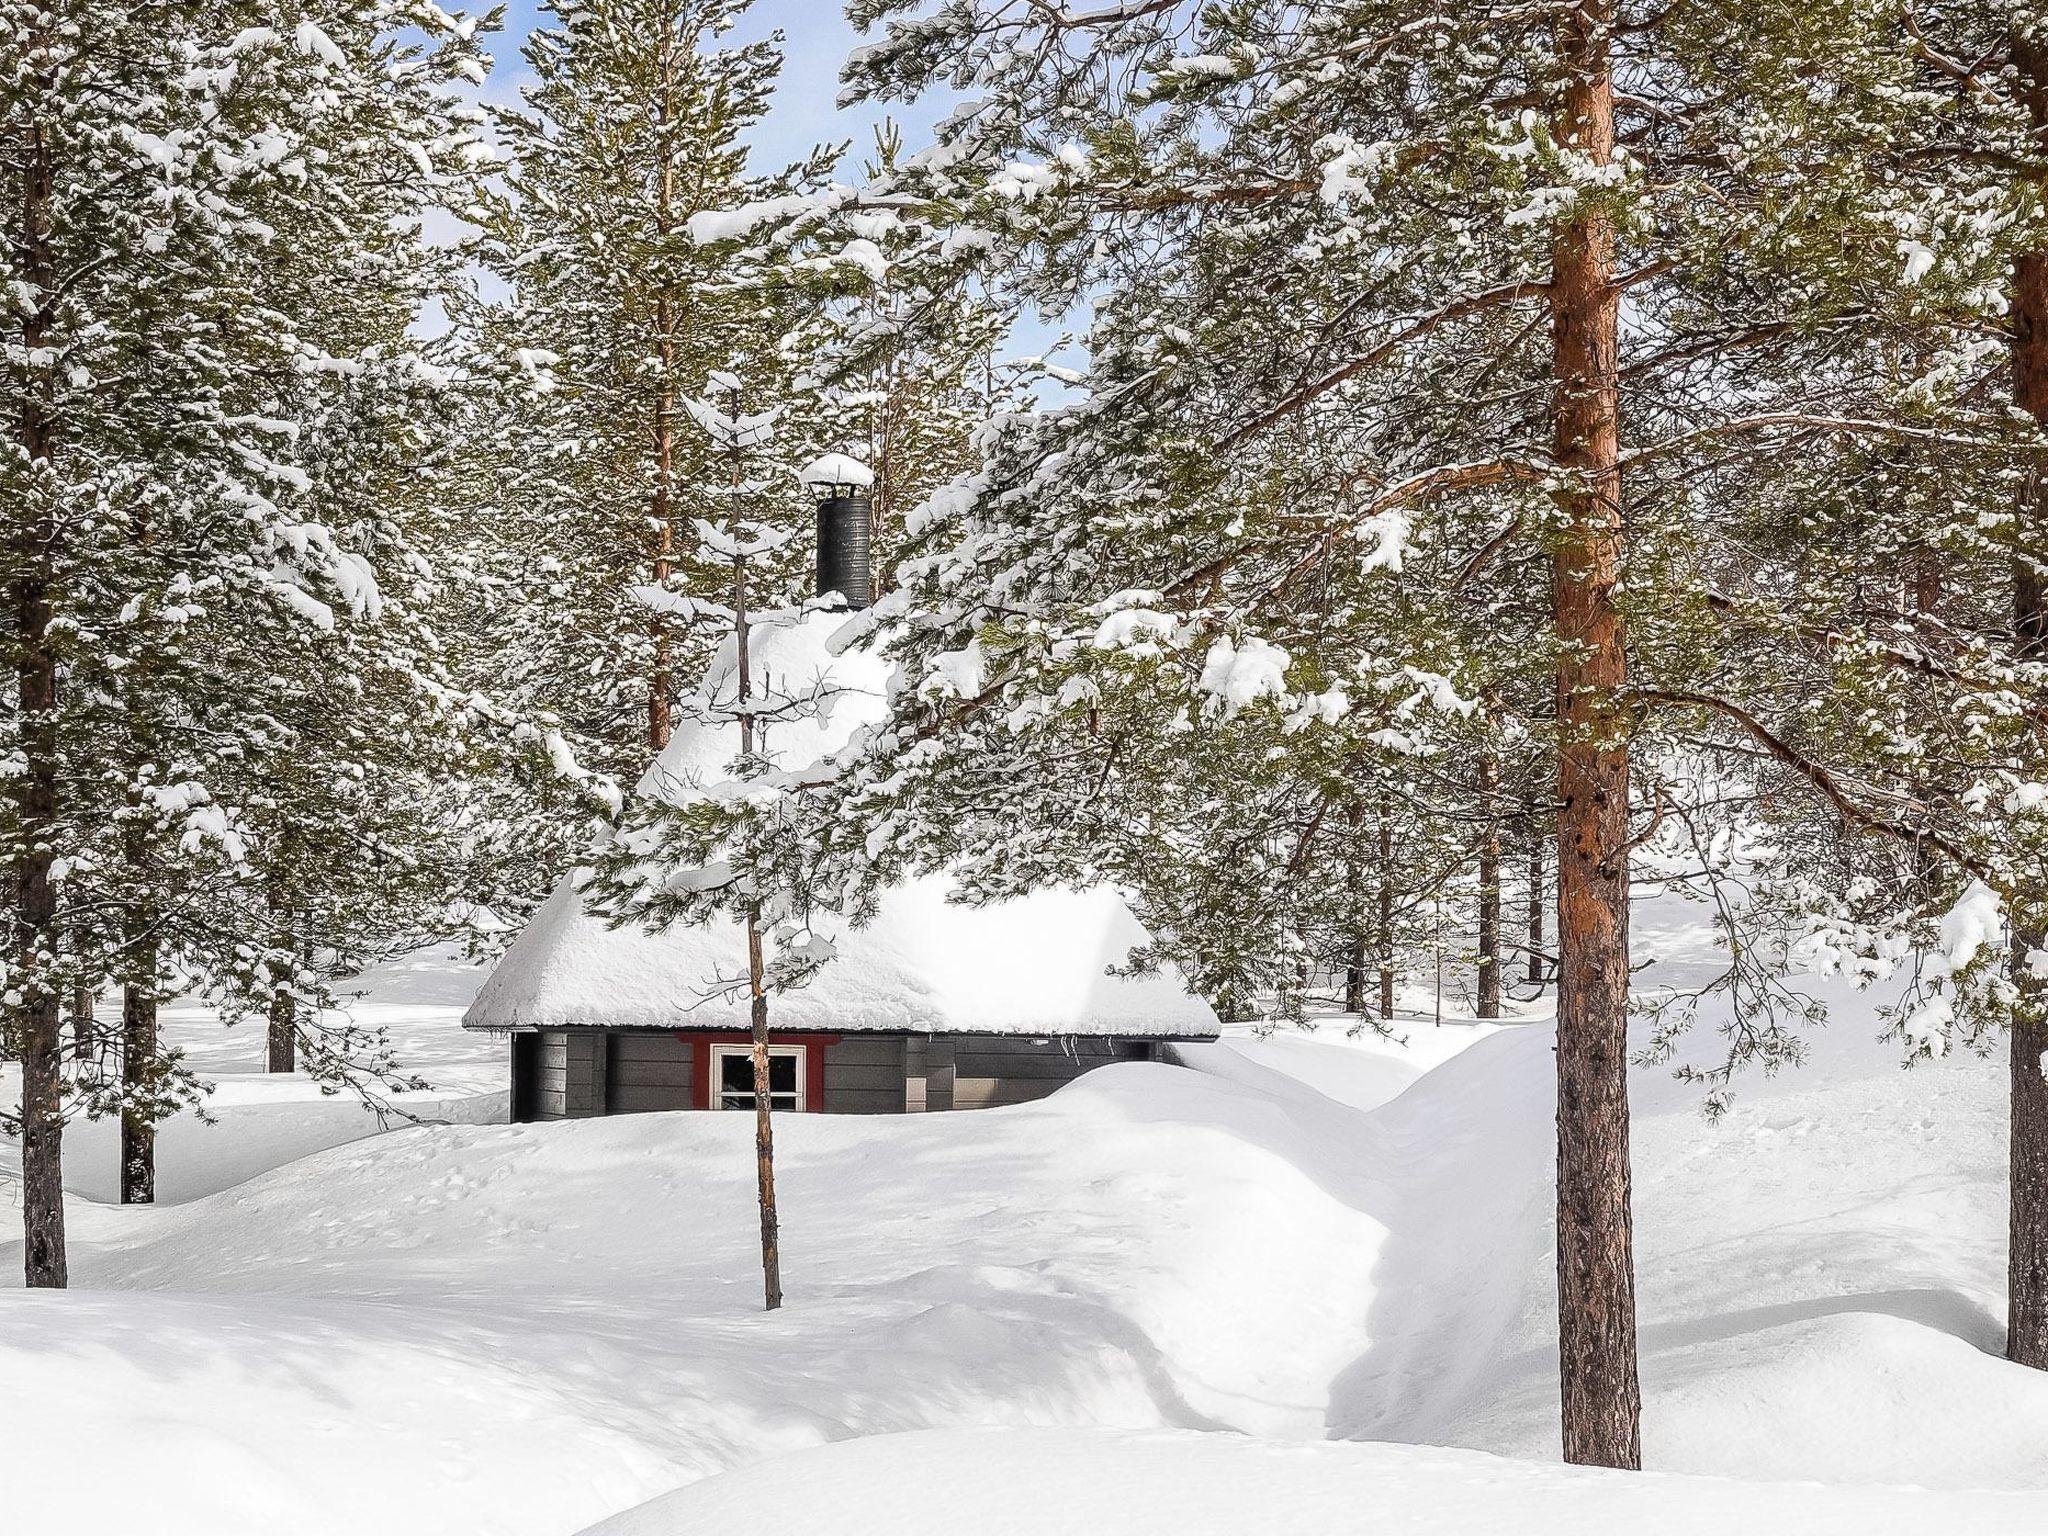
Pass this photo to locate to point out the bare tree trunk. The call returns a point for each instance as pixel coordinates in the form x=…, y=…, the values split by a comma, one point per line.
x=138, y=1063
x=660, y=722
x=1595, y=1260
x=1535, y=897
x=764, y=1129
x=1386, y=915
x=1923, y=581
x=2026, y=1335
x=1489, y=890
x=36, y=1020
x=660, y=717
x=85, y=1028
x=2026, y=1329
x=281, y=1038
x=764, y=1119
x=1354, y=895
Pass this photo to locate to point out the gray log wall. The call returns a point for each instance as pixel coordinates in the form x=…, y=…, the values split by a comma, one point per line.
x=585, y=1072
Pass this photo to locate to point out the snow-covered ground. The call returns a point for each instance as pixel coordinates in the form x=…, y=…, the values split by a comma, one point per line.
x=1057, y=1482
x=1312, y=1238
x=265, y=1121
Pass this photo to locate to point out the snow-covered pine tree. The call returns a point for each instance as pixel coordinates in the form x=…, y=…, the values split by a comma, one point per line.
x=633, y=126
x=1891, y=646
x=902, y=351
x=1399, y=237
x=716, y=840
x=188, y=188
x=1979, y=607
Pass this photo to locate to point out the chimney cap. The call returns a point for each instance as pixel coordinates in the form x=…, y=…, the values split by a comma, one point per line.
x=835, y=470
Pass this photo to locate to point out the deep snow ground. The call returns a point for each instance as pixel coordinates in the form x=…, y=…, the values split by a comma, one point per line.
x=265, y=1121
x=524, y=1329
x=1056, y=1482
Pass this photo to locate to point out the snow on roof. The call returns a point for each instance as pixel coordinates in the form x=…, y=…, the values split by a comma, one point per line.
x=1036, y=964
x=836, y=469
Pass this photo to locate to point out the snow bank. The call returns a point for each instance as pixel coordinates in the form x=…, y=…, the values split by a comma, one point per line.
x=524, y=1329
x=257, y=1120
x=1057, y=1482
x=550, y=1323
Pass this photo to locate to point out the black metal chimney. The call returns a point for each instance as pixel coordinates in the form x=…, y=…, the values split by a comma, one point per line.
x=846, y=525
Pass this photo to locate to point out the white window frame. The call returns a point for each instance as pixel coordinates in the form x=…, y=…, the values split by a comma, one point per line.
x=719, y=1055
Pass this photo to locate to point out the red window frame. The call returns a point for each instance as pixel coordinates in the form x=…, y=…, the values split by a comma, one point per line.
x=701, y=1041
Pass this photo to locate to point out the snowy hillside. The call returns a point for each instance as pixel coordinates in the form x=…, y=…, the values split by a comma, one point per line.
x=524, y=1329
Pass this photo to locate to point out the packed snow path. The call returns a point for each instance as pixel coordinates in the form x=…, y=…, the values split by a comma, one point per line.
x=525, y=1329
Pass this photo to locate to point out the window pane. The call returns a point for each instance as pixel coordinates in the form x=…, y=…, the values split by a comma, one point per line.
x=735, y=1081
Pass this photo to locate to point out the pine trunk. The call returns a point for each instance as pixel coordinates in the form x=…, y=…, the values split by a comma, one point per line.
x=660, y=712
x=138, y=1058
x=1923, y=582
x=2026, y=1337
x=85, y=1027
x=1489, y=891
x=1535, y=900
x=757, y=973
x=764, y=1128
x=2026, y=1329
x=1601, y=1399
x=1386, y=925
x=281, y=1038
x=36, y=1020
x=1354, y=906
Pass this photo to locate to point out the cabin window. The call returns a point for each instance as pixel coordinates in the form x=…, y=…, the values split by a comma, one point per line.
x=732, y=1068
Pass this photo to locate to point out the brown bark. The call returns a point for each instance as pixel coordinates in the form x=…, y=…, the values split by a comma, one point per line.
x=1923, y=581
x=2026, y=1329
x=1601, y=1399
x=764, y=1129
x=36, y=1021
x=1489, y=891
x=764, y=1120
x=2026, y=1336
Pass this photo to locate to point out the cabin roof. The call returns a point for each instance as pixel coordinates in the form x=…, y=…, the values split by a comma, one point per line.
x=1032, y=965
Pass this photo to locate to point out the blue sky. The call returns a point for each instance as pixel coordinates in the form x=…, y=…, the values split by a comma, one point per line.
x=816, y=41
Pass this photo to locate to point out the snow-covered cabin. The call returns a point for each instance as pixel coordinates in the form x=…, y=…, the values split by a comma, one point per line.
x=929, y=1005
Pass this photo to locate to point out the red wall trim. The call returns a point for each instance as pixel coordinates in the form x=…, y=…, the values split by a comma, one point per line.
x=700, y=1042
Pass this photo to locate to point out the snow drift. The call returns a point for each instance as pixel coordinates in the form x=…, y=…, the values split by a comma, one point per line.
x=526, y=1329
x=1166, y=1483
